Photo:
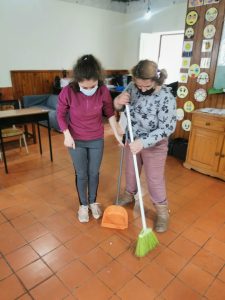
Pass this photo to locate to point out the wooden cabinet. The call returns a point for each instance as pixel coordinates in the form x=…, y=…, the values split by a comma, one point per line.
x=206, y=147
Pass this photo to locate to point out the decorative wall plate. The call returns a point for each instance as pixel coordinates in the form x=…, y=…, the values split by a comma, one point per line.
x=182, y=91
x=192, y=17
x=194, y=70
x=189, y=32
x=180, y=114
x=189, y=106
x=203, y=78
x=186, y=125
x=200, y=95
x=211, y=14
x=209, y=31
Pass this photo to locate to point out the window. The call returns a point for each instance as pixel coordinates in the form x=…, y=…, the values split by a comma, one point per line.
x=165, y=49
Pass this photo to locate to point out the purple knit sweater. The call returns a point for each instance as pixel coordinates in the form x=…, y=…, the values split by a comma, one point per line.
x=85, y=112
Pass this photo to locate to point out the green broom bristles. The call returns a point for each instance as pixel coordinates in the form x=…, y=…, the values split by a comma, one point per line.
x=146, y=242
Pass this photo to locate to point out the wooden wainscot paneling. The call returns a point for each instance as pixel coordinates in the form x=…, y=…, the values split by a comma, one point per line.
x=34, y=82
x=217, y=100
x=6, y=93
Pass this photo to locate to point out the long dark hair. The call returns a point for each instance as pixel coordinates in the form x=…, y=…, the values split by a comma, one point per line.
x=87, y=67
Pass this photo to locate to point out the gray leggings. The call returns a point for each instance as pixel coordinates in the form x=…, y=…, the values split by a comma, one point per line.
x=87, y=157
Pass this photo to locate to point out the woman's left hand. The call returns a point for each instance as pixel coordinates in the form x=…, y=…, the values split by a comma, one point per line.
x=136, y=146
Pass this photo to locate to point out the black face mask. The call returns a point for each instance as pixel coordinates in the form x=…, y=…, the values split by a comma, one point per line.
x=146, y=93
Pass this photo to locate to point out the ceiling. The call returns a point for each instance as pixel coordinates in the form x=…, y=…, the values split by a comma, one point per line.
x=127, y=6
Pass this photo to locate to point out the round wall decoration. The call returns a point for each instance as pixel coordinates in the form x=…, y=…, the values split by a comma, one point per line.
x=189, y=32
x=194, y=71
x=186, y=125
x=180, y=114
x=203, y=78
x=192, y=17
x=189, y=106
x=211, y=14
x=209, y=31
x=200, y=95
x=182, y=91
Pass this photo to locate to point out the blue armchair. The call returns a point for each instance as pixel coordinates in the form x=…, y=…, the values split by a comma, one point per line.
x=46, y=101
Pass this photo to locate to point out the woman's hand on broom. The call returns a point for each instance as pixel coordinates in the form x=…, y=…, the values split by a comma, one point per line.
x=136, y=146
x=121, y=100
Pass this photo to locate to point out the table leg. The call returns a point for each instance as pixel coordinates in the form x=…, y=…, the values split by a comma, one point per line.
x=3, y=152
x=49, y=139
x=34, y=133
x=39, y=138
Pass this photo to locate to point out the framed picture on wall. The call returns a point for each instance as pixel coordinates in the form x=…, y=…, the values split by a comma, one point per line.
x=194, y=3
x=211, y=1
x=207, y=45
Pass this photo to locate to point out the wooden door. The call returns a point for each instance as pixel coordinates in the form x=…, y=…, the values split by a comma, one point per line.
x=205, y=148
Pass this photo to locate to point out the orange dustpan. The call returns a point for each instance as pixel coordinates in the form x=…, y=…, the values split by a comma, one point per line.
x=116, y=216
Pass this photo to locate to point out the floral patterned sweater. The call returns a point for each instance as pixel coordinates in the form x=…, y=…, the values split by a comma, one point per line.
x=153, y=117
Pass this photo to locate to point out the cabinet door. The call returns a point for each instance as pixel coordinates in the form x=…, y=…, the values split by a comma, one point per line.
x=222, y=161
x=205, y=149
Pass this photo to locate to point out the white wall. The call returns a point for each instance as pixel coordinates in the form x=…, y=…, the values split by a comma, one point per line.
x=51, y=34
x=170, y=19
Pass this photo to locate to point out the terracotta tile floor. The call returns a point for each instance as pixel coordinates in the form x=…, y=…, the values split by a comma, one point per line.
x=45, y=253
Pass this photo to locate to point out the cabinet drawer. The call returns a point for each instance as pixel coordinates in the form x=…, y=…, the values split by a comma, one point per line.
x=210, y=123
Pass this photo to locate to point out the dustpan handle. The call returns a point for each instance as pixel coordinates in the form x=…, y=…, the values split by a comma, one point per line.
x=144, y=225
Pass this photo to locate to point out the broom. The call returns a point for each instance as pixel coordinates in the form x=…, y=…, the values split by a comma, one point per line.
x=147, y=240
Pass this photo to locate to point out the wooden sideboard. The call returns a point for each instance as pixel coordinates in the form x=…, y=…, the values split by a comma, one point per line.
x=206, y=148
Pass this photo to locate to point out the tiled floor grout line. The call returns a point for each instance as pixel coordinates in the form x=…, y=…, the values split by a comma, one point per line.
x=14, y=273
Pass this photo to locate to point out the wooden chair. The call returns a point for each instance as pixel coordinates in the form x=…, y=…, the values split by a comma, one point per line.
x=12, y=131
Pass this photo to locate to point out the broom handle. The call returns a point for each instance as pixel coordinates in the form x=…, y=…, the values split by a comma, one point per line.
x=144, y=225
x=120, y=175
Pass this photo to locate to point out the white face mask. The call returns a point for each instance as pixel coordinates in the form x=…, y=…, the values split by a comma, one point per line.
x=88, y=92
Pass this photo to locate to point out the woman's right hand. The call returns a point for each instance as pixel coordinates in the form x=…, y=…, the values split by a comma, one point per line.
x=68, y=140
x=122, y=99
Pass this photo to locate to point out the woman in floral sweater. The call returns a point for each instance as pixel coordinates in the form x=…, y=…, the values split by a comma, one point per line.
x=153, y=118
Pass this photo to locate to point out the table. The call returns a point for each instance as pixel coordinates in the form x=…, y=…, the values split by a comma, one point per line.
x=24, y=116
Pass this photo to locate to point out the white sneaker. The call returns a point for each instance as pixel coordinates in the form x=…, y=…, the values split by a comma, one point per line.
x=96, y=210
x=83, y=215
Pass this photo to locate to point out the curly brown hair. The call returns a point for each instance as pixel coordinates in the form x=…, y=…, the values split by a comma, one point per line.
x=87, y=67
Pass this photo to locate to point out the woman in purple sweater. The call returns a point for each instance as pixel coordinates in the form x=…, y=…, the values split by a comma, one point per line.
x=79, y=114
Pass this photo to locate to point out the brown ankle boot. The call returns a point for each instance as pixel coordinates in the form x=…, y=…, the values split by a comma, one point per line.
x=126, y=198
x=162, y=220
